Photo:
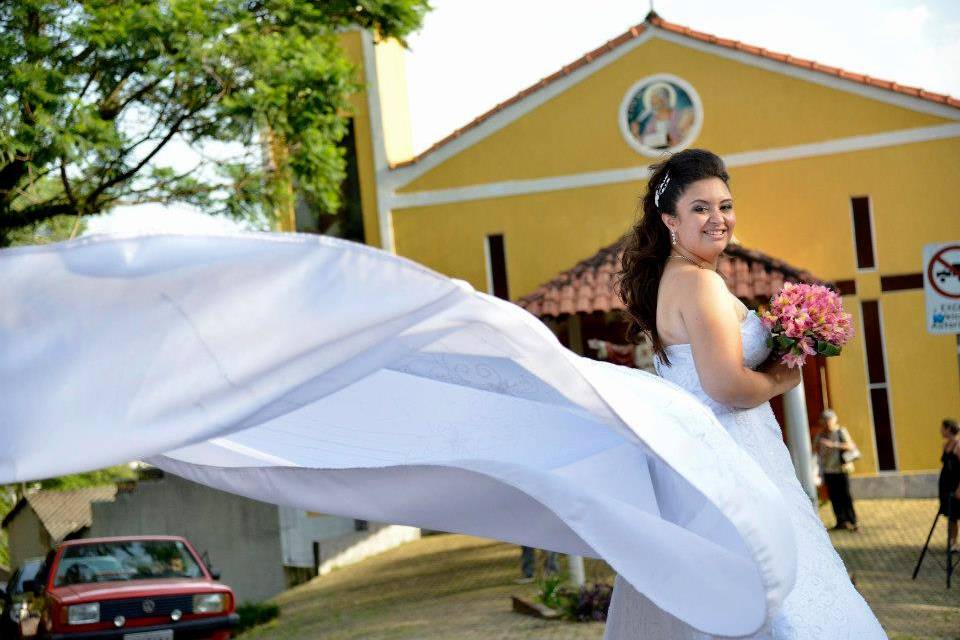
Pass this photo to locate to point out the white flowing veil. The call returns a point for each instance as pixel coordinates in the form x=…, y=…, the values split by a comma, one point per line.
x=337, y=378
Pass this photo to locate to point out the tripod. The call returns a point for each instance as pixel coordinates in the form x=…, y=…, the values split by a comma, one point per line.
x=951, y=562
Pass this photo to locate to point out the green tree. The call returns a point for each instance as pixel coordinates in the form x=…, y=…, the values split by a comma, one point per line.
x=95, y=478
x=93, y=92
x=7, y=501
x=55, y=229
x=10, y=494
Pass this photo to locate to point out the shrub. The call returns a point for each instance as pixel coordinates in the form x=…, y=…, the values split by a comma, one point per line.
x=593, y=602
x=255, y=613
x=590, y=602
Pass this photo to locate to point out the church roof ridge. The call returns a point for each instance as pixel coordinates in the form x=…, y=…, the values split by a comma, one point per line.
x=652, y=19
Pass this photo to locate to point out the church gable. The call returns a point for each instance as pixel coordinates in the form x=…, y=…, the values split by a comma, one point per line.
x=660, y=90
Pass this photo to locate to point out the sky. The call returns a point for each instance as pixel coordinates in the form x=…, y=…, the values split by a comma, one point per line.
x=472, y=54
x=487, y=51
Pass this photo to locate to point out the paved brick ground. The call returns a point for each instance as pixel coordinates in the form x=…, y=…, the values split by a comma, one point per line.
x=458, y=587
x=882, y=557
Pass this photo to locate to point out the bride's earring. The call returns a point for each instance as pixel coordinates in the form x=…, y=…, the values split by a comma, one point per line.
x=673, y=236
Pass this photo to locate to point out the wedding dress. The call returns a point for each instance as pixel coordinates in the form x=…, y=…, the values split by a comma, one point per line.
x=823, y=604
x=336, y=378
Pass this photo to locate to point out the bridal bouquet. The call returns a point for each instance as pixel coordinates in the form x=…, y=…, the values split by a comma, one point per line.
x=806, y=320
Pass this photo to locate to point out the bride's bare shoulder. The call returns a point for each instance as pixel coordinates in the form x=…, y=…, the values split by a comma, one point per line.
x=689, y=289
x=688, y=295
x=696, y=292
x=699, y=281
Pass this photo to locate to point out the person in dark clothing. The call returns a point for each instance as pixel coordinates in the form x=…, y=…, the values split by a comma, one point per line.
x=528, y=564
x=949, y=483
x=831, y=444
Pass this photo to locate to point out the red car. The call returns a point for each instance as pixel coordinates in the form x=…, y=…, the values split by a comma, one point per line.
x=130, y=588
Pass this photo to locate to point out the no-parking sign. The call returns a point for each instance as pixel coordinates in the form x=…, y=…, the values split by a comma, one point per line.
x=941, y=284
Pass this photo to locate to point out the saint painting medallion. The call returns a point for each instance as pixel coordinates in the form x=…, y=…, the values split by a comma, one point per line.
x=660, y=114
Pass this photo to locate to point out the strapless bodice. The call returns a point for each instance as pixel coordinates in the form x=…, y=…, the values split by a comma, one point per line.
x=682, y=371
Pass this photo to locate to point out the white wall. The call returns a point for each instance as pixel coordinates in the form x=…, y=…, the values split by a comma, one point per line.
x=354, y=547
x=299, y=529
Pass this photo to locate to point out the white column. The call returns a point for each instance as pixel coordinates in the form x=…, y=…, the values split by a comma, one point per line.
x=575, y=340
x=798, y=438
x=381, y=165
x=577, y=573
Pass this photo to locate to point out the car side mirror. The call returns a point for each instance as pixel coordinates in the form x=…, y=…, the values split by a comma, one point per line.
x=205, y=557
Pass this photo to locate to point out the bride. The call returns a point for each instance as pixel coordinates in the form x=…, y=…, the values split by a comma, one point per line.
x=336, y=378
x=706, y=341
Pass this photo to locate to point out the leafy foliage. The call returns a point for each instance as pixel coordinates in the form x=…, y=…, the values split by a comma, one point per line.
x=94, y=92
x=96, y=478
x=554, y=593
x=55, y=229
x=7, y=501
x=256, y=613
x=591, y=602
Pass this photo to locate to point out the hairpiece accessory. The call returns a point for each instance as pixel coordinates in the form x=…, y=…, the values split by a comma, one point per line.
x=660, y=190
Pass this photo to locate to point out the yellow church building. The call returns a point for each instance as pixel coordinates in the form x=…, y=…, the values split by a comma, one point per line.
x=843, y=175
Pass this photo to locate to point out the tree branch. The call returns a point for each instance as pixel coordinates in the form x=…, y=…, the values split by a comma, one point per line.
x=109, y=107
x=80, y=57
x=125, y=175
x=83, y=91
x=161, y=117
x=66, y=183
x=139, y=93
x=10, y=176
x=14, y=219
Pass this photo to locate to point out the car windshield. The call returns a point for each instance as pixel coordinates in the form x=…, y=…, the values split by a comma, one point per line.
x=126, y=560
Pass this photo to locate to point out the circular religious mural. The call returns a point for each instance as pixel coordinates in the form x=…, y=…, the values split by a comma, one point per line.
x=660, y=114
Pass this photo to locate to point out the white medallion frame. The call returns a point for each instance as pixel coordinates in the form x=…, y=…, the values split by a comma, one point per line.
x=628, y=98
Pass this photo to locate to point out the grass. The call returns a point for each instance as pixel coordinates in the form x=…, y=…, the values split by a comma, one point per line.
x=442, y=586
x=451, y=586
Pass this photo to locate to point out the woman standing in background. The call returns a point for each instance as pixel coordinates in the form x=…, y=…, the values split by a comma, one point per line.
x=949, y=483
x=831, y=445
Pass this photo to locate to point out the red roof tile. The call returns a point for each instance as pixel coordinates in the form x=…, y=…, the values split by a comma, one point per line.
x=635, y=31
x=589, y=286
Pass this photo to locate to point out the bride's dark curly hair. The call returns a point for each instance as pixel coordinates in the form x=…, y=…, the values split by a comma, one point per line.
x=647, y=244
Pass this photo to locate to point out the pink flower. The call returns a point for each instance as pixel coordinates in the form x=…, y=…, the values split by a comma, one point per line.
x=792, y=329
x=793, y=361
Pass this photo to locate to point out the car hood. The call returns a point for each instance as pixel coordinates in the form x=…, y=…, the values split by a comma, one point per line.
x=135, y=589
